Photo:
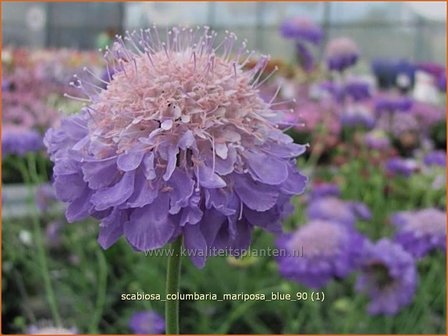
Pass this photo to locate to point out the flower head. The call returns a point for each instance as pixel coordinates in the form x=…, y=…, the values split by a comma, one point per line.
x=301, y=29
x=341, y=53
x=20, y=141
x=147, y=322
x=393, y=72
x=357, y=115
x=420, y=231
x=337, y=210
x=435, y=158
x=427, y=114
x=324, y=190
x=399, y=124
x=179, y=143
x=391, y=104
x=377, y=139
x=357, y=90
x=400, y=166
x=318, y=252
x=388, y=276
x=441, y=82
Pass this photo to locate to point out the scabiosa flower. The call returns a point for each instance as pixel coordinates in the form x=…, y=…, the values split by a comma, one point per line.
x=357, y=115
x=337, y=210
x=400, y=166
x=420, y=232
x=302, y=29
x=341, y=53
x=180, y=143
x=320, y=190
x=427, y=115
x=377, y=139
x=357, y=90
x=304, y=32
x=391, y=104
x=20, y=141
x=388, y=276
x=435, y=158
x=441, y=82
x=399, y=124
x=391, y=73
x=319, y=252
x=434, y=69
x=147, y=322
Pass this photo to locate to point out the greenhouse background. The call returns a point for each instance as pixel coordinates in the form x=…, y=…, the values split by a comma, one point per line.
x=411, y=30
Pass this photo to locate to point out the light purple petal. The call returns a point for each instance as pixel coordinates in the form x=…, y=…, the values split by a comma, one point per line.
x=111, y=229
x=148, y=163
x=79, y=208
x=171, y=164
x=69, y=187
x=130, y=161
x=182, y=188
x=266, y=168
x=295, y=183
x=100, y=173
x=115, y=195
x=149, y=227
x=196, y=244
x=207, y=178
x=145, y=192
x=255, y=195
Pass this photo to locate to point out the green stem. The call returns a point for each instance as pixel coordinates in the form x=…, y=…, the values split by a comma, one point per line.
x=172, y=287
x=30, y=176
x=102, y=291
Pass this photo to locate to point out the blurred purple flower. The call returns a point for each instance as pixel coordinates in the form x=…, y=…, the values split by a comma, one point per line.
x=20, y=141
x=208, y=164
x=324, y=190
x=337, y=210
x=53, y=233
x=147, y=322
x=421, y=231
x=357, y=90
x=24, y=103
x=319, y=252
x=6, y=85
x=434, y=69
x=301, y=29
x=377, y=139
x=341, y=53
x=441, y=82
x=427, y=114
x=435, y=158
x=389, y=104
x=390, y=73
x=361, y=210
x=357, y=115
x=400, y=166
x=306, y=58
x=388, y=276
x=399, y=123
